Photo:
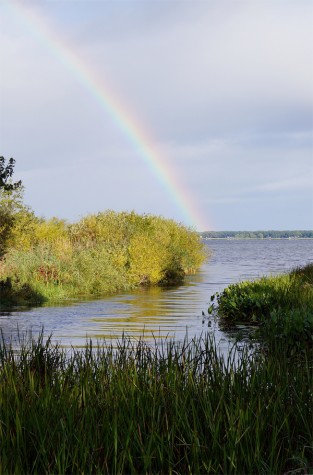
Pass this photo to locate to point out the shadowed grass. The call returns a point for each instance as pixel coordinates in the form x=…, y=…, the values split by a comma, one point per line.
x=17, y=292
x=176, y=408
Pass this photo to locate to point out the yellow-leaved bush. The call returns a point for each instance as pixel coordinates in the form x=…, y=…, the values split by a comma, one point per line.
x=101, y=253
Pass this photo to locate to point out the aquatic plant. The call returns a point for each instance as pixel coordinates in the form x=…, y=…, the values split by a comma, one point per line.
x=174, y=408
x=282, y=306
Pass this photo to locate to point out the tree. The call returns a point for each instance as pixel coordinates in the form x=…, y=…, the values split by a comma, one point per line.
x=10, y=201
x=6, y=172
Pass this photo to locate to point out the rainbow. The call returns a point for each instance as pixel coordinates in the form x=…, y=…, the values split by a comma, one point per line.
x=137, y=136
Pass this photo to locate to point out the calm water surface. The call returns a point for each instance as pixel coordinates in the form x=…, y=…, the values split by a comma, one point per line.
x=161, y=312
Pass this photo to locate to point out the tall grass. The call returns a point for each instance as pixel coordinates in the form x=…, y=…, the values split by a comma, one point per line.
x=177, y=408
x=101, y=253
x=281, y=305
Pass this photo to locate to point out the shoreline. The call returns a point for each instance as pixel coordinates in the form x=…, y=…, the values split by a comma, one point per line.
x=254, y=239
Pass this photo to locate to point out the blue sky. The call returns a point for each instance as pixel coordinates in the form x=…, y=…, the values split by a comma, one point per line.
x=225, y=88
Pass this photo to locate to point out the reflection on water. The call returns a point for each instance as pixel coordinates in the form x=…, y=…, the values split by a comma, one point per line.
x=160, y=312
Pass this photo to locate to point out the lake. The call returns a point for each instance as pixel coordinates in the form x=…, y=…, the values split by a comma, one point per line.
x=159, y=312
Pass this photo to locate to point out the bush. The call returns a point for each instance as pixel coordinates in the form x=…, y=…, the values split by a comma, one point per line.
x=15, y=292
x=282, y=305
x=101, y=253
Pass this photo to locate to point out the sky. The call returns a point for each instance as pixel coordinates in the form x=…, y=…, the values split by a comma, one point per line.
x=199, y=110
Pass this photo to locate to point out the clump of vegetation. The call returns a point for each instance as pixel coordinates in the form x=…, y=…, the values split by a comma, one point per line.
x=282, y=306
x=171, y=408
x=101, y=253
x=12, y=293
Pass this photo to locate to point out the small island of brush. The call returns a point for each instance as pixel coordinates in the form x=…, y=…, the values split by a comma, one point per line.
x=48, y=259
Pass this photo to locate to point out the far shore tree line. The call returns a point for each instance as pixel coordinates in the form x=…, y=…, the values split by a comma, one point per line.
x=301, y=234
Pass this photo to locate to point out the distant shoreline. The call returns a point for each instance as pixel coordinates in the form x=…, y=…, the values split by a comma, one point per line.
x=256, y=239
x=259, y=235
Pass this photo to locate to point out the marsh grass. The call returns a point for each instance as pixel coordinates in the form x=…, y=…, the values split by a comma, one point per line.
x=282, y=306
x=173, y=408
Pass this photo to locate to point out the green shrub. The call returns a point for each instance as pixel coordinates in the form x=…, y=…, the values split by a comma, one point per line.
x=282, y=305
x=15, y=292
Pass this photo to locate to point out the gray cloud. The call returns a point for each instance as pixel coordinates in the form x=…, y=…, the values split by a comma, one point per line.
x=224, y=88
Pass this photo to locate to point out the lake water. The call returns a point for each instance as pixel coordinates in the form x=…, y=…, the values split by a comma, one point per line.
x=160, y=312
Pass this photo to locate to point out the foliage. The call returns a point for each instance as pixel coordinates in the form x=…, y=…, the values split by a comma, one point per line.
x=10, y=293
x=17, y=221
x=6, y=172
x=6, y=225
x=10, y=202
x=282, y=305
x=99, y=254
x=174, y=408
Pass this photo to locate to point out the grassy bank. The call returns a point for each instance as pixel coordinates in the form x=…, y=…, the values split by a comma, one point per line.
x=103, y=253
x=179, y=409
x=282, y=306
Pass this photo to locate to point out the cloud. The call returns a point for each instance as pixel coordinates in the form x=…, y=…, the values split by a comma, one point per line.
x=223, y=88
x=289, y=185
x=241, y=68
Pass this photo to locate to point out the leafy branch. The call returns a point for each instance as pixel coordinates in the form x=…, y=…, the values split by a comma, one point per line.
x=6, y=172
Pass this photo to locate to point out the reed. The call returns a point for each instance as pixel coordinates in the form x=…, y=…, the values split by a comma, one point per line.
x=281, y=306
x=133, y=408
